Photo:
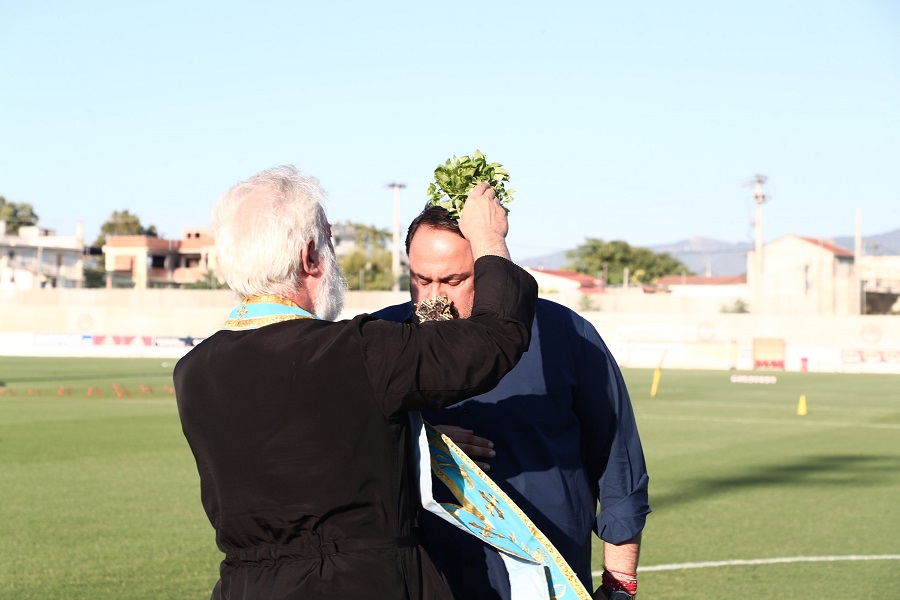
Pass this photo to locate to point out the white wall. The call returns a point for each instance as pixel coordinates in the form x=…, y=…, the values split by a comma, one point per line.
x=689, y=332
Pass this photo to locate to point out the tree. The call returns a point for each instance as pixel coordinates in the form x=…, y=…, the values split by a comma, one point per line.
x=94, y=277
x=370, y=258
x=123, y=223
x=16, y=215
x=739, y=306
x=118, y=223
x=598, y=258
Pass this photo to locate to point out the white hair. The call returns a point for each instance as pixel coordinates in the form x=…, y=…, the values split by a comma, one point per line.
x=260, y=226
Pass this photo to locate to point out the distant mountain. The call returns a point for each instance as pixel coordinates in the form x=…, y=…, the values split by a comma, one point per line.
x=702, y=255
x=884, y=244
x=554, y=261
x=708, y=256
x=722, y=258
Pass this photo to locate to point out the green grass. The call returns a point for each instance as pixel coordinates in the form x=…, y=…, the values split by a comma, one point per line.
x=99, y=496
x=735, y=473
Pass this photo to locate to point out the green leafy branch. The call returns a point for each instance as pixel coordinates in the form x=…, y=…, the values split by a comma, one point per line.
x=454, y=179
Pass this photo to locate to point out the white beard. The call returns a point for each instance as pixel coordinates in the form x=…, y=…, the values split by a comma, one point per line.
x=331, y=290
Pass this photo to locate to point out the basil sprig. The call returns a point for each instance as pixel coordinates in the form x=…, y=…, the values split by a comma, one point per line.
x=454, y=178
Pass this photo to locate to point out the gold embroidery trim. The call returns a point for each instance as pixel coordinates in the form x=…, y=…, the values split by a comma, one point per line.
x=269, y=299
x=256, y=323
x=567, y=571
x=467, y=504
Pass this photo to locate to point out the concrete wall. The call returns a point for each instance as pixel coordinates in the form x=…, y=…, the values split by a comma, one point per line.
x=725, y=341
x=640, y=329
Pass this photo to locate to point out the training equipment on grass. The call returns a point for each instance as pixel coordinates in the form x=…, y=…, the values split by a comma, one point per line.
x=657, y=374
x=763, y=379
x=801, y=406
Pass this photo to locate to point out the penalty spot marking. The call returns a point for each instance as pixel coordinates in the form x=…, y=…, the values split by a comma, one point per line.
x=760, y=561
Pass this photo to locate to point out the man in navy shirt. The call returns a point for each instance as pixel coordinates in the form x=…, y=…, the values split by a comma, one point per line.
x=557, y=434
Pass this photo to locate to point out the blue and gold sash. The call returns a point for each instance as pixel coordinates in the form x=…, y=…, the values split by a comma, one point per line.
x=259, y=311
x=536, y=568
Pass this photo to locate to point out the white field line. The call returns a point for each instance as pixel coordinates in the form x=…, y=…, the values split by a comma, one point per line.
x=779, y=406
x=802, y=421
x=759, y=561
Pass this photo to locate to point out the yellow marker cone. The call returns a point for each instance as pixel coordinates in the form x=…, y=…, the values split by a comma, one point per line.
x=657, y=374
x=801, y=407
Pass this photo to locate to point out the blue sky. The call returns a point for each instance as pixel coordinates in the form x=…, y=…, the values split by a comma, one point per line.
x=638, y=121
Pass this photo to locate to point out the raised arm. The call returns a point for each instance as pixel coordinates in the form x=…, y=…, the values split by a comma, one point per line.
x=483, y=222
x=418, y=367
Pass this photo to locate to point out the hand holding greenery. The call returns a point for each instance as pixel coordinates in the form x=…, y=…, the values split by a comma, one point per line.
x=454, y=179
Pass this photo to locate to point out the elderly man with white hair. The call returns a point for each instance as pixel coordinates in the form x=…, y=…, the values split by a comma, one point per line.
x=299, y=425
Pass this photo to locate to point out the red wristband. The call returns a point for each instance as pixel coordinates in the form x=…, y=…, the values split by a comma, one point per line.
x=617, y=580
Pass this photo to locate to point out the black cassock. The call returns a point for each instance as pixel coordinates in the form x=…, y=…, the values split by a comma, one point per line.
x=301, y=436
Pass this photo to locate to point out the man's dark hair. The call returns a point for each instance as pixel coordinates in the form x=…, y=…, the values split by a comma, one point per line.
x=435, y=217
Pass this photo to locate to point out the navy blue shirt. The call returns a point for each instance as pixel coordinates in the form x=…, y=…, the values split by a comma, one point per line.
x=565, y=436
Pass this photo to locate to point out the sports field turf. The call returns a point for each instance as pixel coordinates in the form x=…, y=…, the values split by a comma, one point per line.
x=99, y=495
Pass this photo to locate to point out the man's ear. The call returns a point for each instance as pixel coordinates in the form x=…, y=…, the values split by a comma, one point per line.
x=311, y=258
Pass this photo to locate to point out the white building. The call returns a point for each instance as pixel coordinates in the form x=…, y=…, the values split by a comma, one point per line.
x=38, y=258
x=803, y=276
x=552, y=281
x=880, y=282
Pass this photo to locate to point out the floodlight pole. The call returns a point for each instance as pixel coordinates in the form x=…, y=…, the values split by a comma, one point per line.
x=758, y=264
x=758, y=181
x=395, y=250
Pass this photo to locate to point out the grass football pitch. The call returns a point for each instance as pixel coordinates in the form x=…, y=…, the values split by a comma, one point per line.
x=99, y=495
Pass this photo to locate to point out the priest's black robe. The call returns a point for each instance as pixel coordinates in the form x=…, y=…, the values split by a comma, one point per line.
x=301, y=436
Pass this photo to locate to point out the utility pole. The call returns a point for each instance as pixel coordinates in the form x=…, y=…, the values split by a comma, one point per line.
x=857, y=262
x=758, y=181
x=756, y=269
x=395, y=252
